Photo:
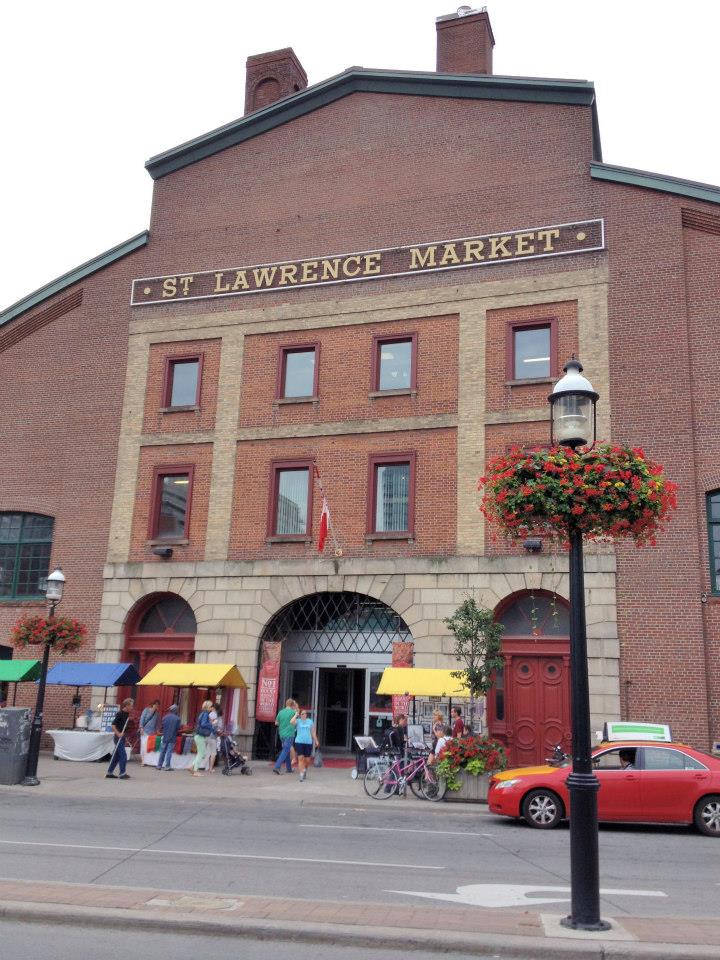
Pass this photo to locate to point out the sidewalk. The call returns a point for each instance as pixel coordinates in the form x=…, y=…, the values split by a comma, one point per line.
x=513, y=933
x=327, y=786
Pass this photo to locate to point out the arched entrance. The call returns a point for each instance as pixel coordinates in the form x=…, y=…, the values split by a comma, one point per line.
x=161, y=629
x=529, y=707
x=334, y=648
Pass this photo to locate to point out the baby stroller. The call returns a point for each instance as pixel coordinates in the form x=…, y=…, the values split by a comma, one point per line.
x=231, y=758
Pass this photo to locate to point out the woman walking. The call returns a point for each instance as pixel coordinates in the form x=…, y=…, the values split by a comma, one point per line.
x=305, y=737
x=203, y=730
x=216, y=720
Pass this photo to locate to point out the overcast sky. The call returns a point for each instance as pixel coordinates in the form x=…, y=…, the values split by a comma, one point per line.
x=91, y=89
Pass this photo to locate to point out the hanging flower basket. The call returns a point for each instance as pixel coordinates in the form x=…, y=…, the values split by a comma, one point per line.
x=62, y=634
x=608, y=493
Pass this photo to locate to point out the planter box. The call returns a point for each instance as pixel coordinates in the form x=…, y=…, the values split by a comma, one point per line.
x=472, y=789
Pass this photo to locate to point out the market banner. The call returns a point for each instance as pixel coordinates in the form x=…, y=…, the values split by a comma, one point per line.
x=403, y=653
x=268, y=689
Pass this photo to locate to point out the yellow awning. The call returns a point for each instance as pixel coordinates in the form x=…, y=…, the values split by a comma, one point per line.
x=421, y=682
x=193, y=675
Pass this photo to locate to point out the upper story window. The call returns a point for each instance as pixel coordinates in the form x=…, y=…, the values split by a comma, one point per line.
x=25, y=546
x=395, y=363
x=291, y=505
x=531, y=351
x=170, y=514
x=713, y=518
x=183, y=377
x=392, y=506
x=298, y=372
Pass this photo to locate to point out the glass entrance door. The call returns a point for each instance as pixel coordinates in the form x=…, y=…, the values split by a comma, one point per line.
x=335, y=708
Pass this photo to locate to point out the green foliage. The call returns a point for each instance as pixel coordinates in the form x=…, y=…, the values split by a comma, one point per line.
x=477, y=646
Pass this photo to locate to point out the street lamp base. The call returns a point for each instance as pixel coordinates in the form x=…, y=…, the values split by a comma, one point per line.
x=597, y=926
x=30, y=782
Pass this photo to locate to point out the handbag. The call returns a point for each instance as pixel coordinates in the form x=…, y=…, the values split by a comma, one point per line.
x=317, y=759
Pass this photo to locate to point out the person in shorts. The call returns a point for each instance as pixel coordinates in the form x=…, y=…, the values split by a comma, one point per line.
x=305, y=739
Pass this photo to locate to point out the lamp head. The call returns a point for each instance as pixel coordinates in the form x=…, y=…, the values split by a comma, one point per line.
x=55, y=586
x=572, y=408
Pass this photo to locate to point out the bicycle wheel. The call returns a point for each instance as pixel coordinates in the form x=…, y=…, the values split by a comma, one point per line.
x=380, y=782
x=416, y=788
x=432, y=786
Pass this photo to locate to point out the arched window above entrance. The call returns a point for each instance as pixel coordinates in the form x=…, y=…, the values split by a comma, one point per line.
x=168, y=615
x=537, y=614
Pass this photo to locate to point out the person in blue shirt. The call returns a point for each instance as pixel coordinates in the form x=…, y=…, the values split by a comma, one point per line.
x=171, y=724
x=305, y=738
x=149, y=719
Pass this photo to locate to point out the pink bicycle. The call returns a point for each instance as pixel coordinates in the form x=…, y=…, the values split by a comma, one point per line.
x=387, y=777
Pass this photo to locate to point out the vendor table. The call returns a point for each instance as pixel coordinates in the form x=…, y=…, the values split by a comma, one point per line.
x=82, y=745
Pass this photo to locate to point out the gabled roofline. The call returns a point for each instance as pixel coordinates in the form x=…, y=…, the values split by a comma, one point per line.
x=75, y=275
x=360, y=80
x=655, y=181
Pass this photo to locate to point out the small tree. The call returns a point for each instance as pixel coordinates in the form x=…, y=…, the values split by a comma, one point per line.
x=477, y=646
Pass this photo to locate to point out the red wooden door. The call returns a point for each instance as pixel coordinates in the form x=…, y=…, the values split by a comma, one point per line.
x=538, y=707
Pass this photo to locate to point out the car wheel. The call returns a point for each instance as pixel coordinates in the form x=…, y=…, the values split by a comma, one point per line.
x=707, y=815
x=542, y=809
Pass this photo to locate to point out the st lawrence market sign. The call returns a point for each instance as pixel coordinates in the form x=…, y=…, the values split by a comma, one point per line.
x=483, y=251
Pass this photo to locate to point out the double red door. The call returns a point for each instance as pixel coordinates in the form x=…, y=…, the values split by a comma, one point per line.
x=535, y=706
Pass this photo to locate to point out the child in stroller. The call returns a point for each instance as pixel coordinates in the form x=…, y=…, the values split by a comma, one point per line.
x=231, y=758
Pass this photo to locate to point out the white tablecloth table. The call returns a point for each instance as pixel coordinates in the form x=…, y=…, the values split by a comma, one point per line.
x=82, y=745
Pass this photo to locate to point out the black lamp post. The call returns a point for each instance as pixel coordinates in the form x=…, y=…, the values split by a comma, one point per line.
x=53, y=593
x=573, y=424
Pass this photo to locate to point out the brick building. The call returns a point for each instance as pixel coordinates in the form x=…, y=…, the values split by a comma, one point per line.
x=414, y=256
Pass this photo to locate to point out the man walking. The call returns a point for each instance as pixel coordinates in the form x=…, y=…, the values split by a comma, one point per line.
x=119, y=729
x=171, y=724
x=285, y=722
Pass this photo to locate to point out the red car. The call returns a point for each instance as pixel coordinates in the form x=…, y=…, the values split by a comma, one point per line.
x=640, y=782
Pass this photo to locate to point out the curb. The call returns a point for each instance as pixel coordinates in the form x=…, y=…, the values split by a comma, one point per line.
x=447, y=942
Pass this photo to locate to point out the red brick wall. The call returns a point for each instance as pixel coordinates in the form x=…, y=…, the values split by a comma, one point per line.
x=343, y=465
x=345, y=374
x=198, y=455
x=654, y=377
x=502, y=395
x=190, y=421
x=61, y=395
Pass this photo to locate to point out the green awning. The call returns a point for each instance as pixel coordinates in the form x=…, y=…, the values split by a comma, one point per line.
x=15, y=671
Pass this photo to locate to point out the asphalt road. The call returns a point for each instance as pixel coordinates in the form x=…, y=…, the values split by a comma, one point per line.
x=394, y=851
x=31, y=941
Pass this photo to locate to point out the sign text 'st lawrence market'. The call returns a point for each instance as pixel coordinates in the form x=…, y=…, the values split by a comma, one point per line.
x=482, y=251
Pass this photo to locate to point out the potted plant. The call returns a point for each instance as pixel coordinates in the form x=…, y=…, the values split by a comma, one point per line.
x=477, y=647
x=466, y=765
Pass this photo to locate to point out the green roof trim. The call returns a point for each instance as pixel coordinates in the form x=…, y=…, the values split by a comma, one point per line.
x=360, y=80
x=655, y=181
x=74, y=276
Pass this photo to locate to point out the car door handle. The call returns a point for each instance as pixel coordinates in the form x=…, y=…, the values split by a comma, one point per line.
x=630, y=776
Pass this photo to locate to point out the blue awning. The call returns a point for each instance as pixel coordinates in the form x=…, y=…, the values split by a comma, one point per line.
x=93, y=675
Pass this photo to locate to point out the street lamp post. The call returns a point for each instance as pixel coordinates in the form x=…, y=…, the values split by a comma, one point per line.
x=53, y=594
x=573, y=424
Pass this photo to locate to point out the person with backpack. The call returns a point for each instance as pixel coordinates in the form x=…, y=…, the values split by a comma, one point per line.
x=203, y=730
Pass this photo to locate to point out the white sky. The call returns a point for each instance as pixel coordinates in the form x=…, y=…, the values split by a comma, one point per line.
x=90, y=89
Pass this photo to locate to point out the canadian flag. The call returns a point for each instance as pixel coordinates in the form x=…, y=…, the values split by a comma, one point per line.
x=324, y=525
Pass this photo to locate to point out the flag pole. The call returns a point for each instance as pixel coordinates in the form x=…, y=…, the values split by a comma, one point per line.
x=331, y=528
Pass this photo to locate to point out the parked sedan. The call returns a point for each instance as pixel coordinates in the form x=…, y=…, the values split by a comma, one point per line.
x=640, y=782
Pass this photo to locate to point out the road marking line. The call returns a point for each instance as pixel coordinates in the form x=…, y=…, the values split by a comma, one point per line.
x=502, y=895
x=443, y=833
x=231, y=856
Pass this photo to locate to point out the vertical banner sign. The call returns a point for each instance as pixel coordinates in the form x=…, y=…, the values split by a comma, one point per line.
x=402, y=656
x=268, y=682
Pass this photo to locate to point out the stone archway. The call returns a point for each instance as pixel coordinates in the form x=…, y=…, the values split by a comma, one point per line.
x=333, y=647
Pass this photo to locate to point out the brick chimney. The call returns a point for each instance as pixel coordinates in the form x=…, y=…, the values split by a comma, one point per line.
x=272, y=76
x=464, y=42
